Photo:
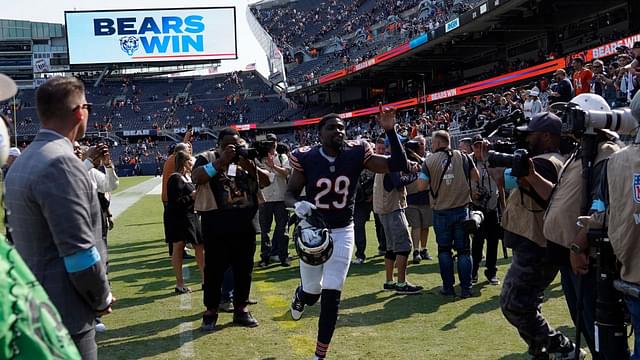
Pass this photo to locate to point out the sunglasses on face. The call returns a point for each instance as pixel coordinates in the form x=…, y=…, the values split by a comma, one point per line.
x=83, y=106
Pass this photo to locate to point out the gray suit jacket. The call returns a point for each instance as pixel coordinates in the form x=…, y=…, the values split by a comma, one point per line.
x=53, y=212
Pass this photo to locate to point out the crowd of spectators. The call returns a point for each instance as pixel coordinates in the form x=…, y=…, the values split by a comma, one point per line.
x=371, y=27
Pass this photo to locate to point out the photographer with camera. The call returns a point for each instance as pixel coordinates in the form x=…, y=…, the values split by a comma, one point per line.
x=273, y=206
x=567, y=242
x=487, y=195
x=233, y=181
x=449, y=172
x=616, y=209
x=532, y=271
x=419, y=213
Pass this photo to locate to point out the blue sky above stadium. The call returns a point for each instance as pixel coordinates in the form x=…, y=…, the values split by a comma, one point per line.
x=249, y=51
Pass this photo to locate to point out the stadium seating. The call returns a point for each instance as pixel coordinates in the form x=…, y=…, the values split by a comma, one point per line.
x=123, y=104
x=361, y=29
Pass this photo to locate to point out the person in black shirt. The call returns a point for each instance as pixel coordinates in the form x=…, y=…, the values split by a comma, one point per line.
x=181, y=223
x=564, y=89
x=228, y=230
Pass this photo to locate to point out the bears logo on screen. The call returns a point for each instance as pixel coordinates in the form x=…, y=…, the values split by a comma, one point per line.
x=129, y=44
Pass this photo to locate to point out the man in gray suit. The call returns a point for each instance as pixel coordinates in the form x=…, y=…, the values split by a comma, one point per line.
x=54, y=214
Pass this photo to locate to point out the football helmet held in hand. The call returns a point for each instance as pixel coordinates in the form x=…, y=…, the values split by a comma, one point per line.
x=312, y=240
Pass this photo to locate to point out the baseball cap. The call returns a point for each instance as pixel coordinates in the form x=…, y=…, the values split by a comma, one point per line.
x=14, y=151
x=476, y=139
x=271, y=137
x=7, y=87
x=560, y=71
x=543, y=122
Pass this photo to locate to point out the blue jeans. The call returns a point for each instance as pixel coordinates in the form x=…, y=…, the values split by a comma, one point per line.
x=227, y=287
x=447, y=225
x=634, y=310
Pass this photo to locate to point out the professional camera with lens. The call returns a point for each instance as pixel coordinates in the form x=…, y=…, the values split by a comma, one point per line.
x=261, y=149
x=518, y=161
x=483, y=199
x=576, y=121
x=413, y=148
x=504, y=127
x=473, y=221
x=246, y=152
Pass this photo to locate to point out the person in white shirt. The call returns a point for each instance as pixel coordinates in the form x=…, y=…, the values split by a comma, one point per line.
x=93, y=158
x=277, y=165
x=532, y=105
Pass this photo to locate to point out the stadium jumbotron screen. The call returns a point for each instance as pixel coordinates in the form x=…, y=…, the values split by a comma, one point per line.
x=158, y=35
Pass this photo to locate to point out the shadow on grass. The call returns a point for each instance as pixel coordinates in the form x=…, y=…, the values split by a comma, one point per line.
x=150, y=264
x=132, y=342
x=146, y=224
x=402, y=307
x=124, y=303
x=136, y=247
x=489, y=305
x=515, y=356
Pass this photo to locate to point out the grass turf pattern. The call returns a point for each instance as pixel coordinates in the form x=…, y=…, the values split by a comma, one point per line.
x=150, y=322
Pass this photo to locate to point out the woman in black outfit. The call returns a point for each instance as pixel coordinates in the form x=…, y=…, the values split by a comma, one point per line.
x=181, y=224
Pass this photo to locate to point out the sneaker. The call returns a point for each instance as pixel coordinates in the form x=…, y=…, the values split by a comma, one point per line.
x=100, y=327
x=416, y=257
x=209, y=321
x=569, y=356
x=465, y=293
x=424, y=254
x=187, y=256
x=408, y=289
x=285, y=263
x=245, y=319
x=358, y=261
x=474, y=279
x=389, y=286
x=274, y=258
x=263, y=263
x=226, y=307
x=297, y=306
x=493, y=279
x=181, y=290
x=447, y=292
x=251, y=301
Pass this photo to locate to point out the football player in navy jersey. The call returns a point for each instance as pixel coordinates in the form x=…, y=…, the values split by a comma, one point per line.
x=329, y=173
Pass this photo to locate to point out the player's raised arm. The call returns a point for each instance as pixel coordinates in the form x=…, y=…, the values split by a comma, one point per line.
x=398, y=159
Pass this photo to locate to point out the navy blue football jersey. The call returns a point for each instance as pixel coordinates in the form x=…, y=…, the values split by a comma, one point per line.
x=332, y=185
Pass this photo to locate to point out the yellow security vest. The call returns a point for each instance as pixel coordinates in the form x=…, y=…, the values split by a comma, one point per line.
x=523, y=215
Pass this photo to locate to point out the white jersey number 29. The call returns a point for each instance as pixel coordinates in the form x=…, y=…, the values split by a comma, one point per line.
x=340, y=187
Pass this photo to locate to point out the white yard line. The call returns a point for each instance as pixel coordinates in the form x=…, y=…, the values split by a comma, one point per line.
x=186, y=328
x=122, y=200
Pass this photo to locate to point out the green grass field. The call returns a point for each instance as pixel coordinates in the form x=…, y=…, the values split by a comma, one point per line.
x=150, y=322
x=130, y=181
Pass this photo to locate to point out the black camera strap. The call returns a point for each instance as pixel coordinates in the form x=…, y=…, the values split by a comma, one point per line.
x=537, y=198
x=444, y=171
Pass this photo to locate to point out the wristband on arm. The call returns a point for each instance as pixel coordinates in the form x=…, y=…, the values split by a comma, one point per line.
x=210, y=170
